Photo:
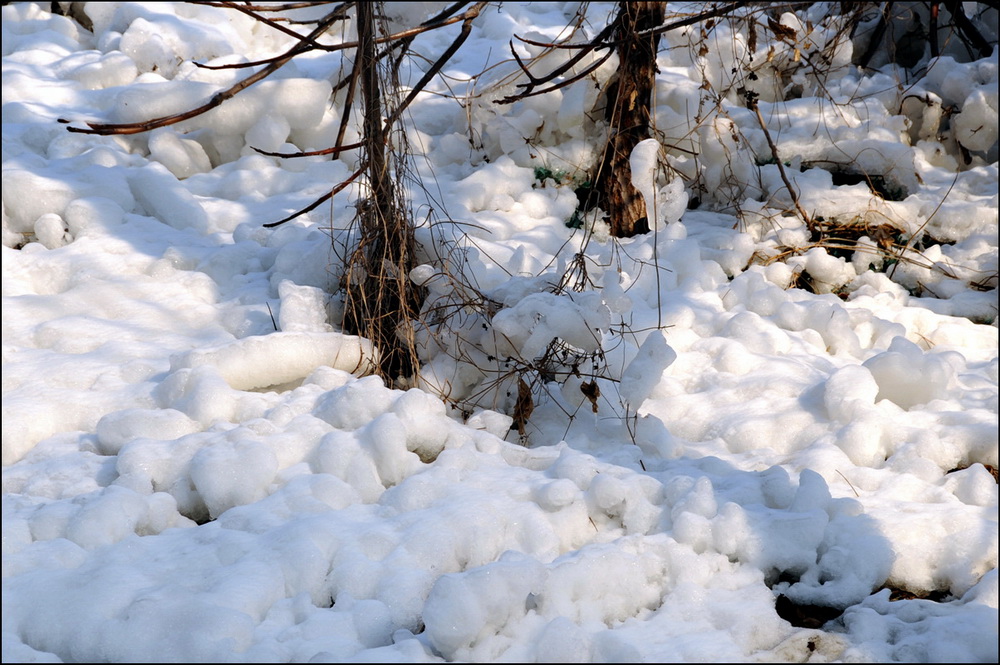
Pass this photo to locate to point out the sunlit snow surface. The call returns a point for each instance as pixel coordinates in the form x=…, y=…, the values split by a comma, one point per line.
x=181, y=482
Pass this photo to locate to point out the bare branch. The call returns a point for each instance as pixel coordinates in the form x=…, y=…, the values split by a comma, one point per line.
x=520, y=63
x=752, y=105
x=323, y=199
x=566, y=66
x=306, y=43
x=312, y=153
x=562, y=84
x=352, y=87
x=969, y=32
x=339, y=12
x=436, y=67
x=876, y=39
x=598, y=42
x=404, y=44
x=216, y=99
x=340, y=9
x=264, y=8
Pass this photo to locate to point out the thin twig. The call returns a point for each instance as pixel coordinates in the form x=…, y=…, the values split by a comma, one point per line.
x=969, y=32
x=566, y=66
x=339, y=13
x=326, y=197
x=915, y=234
x=849, y=484
x=436, y=67
x=264, y=8
x=273, y=322
x=306, y=43
x=562, y=84
x=311, y=153
x=876, y=38
x=752, y=105
x=106, y=129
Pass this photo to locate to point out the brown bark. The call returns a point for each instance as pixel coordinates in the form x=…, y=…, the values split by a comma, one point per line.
x=629, y=100
x=381, y=300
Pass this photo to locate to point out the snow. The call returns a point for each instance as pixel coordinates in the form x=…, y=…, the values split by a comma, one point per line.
x=198, y=465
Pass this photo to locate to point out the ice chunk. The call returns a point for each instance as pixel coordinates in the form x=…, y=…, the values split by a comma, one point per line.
x=281, y=357
x=385, y=440
x=849, y=393
x=828, y=272
x=110, y=70
x=563, y=641
x=976, y=126
x=644, y=163
x=671, y=203
x=864, y=440
x=557, y=494
x=48, y=195
x=268, y=133
x=164, y=198
x=528, y=327
x=973, y=486
x=497, y=424
x=116, y=429
x=427, y=426
x=107, y=518
x=94, y=213
x=812, y=493
x=233, y=474
x=907, y=376
x=182, y=157
x=644, y=372
x=51, y=231
x=465, y=607
x=614, y=295
x=355, y=404
x=653, y=437
x=303, y=308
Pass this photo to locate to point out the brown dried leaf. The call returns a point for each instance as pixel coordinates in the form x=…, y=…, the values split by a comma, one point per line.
x=782, y=32
x=524, y=406
x=592, y=391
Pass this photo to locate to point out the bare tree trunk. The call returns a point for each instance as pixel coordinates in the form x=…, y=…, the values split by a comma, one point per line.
x=628, y=114
x=374, y=133
x=381, y=299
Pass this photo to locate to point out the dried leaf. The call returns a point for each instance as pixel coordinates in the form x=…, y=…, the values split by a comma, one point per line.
x=592, y=391
x=782, y=32
x=523, y=407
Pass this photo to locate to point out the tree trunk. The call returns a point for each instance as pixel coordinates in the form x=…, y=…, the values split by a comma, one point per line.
x=381, y=300
x=629, y=100
x=374, y=132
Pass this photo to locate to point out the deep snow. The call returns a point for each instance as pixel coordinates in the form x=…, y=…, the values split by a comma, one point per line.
x=187, y=479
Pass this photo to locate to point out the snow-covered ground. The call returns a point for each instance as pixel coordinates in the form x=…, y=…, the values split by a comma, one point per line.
x=196, y=468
